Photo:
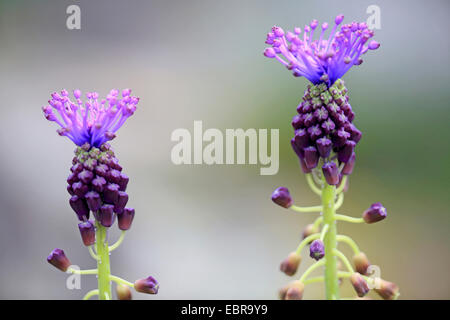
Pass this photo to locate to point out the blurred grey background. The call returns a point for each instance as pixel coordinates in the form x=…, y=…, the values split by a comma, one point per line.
x=211, y=232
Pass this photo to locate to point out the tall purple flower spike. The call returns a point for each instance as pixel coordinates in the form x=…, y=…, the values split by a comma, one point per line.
x=321, y=60
x=96, y=121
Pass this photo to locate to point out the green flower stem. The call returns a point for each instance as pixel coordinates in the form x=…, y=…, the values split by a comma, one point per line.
x=342, y=186
x=104, y=282
x=92, y=253
x=341, y=274
x=75, y=271
x=121, y=281
x=348, y=218
x=331, y=271
x=90, y=294
x=313, y=185
x=312, y=268
x=118, y=242
x=344, y=259
x=324, y=232
x=318, y=222
x=306, y=209
x=349, y=241
x=339, y=201
x=307, y=240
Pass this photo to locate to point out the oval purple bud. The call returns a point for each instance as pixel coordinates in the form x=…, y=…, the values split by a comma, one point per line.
x=324, y=146
x=87, y=231
x=317, y=250
x=93, y=200
x=125, y=218
x=148, y=285
x=58, y=259
x=311, y=157
x=331, y=173
x=111, y=193
x=346, y=152
x=106, y=215
x=348, y=167
x=282, y=197
x=375, y=213
x=80, y=207
x=121, y=202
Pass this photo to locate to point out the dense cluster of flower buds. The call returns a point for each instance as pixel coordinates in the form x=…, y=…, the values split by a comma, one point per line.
x=324, y=129
x=96, y=183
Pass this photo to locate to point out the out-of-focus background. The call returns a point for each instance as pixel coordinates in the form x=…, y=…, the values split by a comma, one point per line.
x=211, y=232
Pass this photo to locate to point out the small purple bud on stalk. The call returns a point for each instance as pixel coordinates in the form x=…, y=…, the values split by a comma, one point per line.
x=348, y=167
x=123, y=292
x=93, y=200
x=148, y=285
x=309, y=230
x=346, y=152
x=282, y=197
x=301, y=139
x=388, y=290
x=324, y=146
x=317, y=250
x=375, y=213
x=359, y=284
x=290, y=265
x=80, y=207
x=361, y=263
x=125, y=218
x=311, y=157
x=303, y=166
x=293, y=291
x=87, y=231
x=106, y=215
x=58, y=259
x=331, y=173
x=123, y=182
x=79, y=189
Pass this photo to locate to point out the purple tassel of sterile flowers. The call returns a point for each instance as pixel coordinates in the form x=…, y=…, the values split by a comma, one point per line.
x=321, y=60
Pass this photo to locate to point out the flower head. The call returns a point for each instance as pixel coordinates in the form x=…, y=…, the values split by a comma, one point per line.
x=321, y=60
x=94, y=122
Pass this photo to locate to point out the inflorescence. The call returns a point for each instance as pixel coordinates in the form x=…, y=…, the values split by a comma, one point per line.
x=96, y=183
x=324, y=141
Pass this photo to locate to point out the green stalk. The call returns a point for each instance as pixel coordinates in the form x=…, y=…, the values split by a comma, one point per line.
x=104, y=272
x=330, y=242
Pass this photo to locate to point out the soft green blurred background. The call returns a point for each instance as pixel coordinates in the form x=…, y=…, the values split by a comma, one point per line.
x=210, y=232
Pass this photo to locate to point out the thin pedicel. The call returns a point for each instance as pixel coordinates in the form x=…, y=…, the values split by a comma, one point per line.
x=324, y=140
x=97, y=182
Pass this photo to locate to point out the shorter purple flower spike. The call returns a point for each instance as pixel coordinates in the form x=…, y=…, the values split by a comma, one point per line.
x=106, y=215
x=311, y=157
x=58, y=259
x=125, y=218
x=331, y=173
x=375, y=213
x=148, y=285
x=324, y=147
x=87, y=231
x=282, y=197
x=94, y=122
x=80, y=207
x=348, y=167
x=317, y=250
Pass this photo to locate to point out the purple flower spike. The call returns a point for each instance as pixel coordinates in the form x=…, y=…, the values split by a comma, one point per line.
x=282, y=197
x=80, y=207
x=346, y=152
x=93, y=200
x=58, y=259
x=348, y=167
x=324, y=146
x=331, y=172
x=94, y=122
x=87, y=231
x=311, y=157
x=106, y=215
x=317, y=250
x=125, y=218
x=375, y=213
x=321, y=60
x=148, y=285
